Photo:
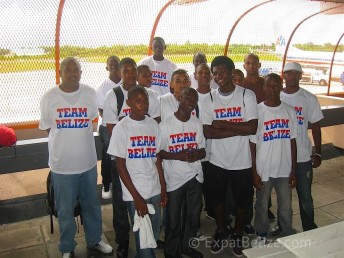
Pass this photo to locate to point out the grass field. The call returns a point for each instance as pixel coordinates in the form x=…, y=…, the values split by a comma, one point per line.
x=12, y=65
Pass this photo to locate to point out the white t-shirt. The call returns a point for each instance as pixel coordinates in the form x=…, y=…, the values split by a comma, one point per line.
x=101, y=90
x=276, y=127
x=231, y=153
x=194, y=82
x=307, y=109
x=204, y=102
x=161, y=73
x=138, y=142
x=175, y=137
x=110, y=113
x=69, y=117
x=168, y=105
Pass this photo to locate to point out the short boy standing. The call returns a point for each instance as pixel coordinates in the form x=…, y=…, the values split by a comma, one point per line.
x=274, y=157
x=135, y=143
x=183, y=146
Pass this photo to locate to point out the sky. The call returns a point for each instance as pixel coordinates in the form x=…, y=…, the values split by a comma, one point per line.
x=31, y=23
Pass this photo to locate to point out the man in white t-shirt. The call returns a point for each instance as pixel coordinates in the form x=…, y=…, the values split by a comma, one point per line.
x=113, y=81
x=229, y=122
x=111, y=116
x=309, y=114
x=161, y=67
x=67, y=112
x=273, y=150
x=200, y=58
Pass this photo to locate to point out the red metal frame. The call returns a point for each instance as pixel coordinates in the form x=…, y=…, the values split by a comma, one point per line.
x=157, y=19
x=237, y=22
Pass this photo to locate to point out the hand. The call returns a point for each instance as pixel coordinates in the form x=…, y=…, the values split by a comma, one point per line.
x=316, y=160
x=257, y=182
x=192, y=155
x=163, y=199
x=140, y=206
x=292, y=180
x=218, y=124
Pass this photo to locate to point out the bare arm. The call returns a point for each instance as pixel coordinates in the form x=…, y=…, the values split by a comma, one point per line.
x=100, y=111
x=109, y=128
x=292, y=177
x=140, y=203
x=257, y=180
x=163, y=198
x=220, y=129
x=316, y=132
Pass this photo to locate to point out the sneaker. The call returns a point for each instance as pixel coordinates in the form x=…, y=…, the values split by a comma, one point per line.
x=209, y=216
x=160, y=244
x=101, y=247
x=193, y=253
x=107, y=192
x=249, y=230
x=271, y=216
x=229, y=229
x=237, y=246
x=68, y=255
x=122, y=249
x=200, y=237
x=276, y=230
x=217, y=243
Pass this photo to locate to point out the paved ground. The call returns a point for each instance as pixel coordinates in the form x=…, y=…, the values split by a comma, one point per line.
x=32, y=238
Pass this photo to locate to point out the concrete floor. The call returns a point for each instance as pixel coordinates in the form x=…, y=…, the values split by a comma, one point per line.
x=32, y=238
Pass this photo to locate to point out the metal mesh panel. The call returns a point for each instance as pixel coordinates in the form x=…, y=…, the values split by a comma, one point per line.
x=94, y=30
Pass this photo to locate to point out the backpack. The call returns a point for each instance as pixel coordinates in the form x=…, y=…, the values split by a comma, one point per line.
x=120, y=98
x=51, y=204
x=8, y=138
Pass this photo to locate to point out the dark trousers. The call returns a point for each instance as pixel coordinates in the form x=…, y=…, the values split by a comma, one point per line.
x=119, y=208
x=182, y=212
x=106, y=160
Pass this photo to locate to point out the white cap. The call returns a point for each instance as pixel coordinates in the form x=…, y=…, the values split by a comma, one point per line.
x=292, y=67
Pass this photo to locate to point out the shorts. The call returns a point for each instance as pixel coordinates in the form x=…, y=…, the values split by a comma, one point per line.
x=240, y=182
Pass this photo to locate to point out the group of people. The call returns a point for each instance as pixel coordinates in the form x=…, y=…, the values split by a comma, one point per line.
x=171, y=139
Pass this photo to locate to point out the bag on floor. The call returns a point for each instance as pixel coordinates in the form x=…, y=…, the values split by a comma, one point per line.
x=51, y=204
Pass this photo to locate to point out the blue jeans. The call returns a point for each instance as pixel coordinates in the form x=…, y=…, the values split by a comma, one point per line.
x=155, y=220
x=66, y=189
x=285, y=213
x=304, y=178
x=182, y=216
x=119, y=208
x=106, y=160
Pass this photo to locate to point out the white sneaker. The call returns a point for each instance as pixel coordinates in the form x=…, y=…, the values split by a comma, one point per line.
x=101, y=247
x=259, y=241
x=200, y=237
x=107, y=194
x=68, y=255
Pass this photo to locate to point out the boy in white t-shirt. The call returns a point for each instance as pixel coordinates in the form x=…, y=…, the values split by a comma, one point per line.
x=183, y=146
x=113, y=81
x=112, y=115
x=273, y=151
x=161, y=67
x=200, y=58
x=170, y=101
x=229, y=121
x=135, y=143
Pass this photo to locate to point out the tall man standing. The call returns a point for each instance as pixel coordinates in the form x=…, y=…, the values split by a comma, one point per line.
x=308, y=114
x=67, y=112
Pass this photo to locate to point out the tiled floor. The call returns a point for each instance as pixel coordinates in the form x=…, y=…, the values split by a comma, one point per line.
x=32, y=238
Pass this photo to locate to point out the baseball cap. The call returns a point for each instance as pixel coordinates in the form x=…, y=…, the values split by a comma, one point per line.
x=292, y=67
